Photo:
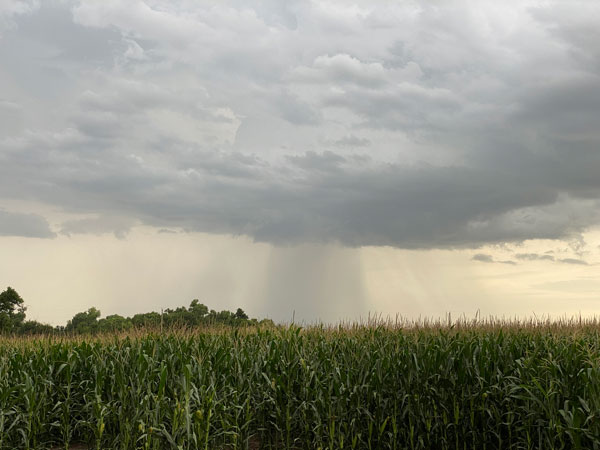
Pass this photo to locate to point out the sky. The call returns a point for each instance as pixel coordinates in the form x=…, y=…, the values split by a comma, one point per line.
x=315, y=160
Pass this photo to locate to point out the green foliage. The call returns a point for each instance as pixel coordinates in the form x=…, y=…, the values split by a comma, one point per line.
x=114, y=323
x=12, y=319
x=12, y=311
x=361, y=388
x=146, y=320
x=198, y=310
x=84, y=322
x=240, y=314
x=32, y=327
x=197, y=314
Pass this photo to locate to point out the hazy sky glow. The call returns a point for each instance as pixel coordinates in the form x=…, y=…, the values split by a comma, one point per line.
x=328, y=158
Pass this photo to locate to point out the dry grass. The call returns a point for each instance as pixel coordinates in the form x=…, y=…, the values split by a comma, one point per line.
x=560, y=325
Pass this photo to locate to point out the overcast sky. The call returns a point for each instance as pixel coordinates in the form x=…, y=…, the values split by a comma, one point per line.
x=329, y=158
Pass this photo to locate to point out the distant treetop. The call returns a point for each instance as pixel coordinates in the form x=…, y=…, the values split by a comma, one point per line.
x=12, y=318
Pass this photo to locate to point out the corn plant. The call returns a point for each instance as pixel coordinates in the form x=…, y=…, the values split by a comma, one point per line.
x=359, y=386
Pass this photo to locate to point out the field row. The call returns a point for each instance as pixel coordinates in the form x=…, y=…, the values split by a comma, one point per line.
x=369, y=388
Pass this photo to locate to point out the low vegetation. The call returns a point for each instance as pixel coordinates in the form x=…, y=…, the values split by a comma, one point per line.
x=12, y=319
x=394, y=385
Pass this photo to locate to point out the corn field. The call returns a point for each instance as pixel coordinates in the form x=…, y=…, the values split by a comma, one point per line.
x=348, y=387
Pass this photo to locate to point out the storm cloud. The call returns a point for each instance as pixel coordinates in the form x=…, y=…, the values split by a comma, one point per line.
x=411, y=125
x=482, y=257
x=534, y=257
x=24, y=225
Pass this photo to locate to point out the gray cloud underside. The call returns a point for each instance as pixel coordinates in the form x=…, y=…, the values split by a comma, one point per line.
x=412, y=126
x=580, y=262
x=534, y=257
x=482, y=257
x=25, y=225
x=98, y=225
x=546, y=257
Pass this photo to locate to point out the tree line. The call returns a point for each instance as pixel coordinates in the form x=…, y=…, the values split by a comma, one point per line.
x=13, y=319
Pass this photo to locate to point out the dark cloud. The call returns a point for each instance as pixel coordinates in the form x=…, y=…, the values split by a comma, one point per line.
x=317, y=162
x=482, y=257
x=166, y=231
x=26, y=225
x=534, y=257
x=344, y=69
x=297, y=111
x=547, y=257
x=312, y=197
x=351, y=141
x=579, y=262
x=220, y=119
x=98, y=225
x=576, y=27
x=403, y=107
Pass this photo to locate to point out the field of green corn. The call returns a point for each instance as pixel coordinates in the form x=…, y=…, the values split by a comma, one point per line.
x=362, y=387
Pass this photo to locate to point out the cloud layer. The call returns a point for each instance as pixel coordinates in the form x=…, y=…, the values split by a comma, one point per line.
x=412, y=125
x=25, y=225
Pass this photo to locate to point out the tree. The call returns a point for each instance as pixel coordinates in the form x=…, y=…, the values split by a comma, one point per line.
x=114, y=323
x=196, y=313
x=12, y=311
x=240, y=314
x=33, y=327
x=151, y=319
x=84, y=322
